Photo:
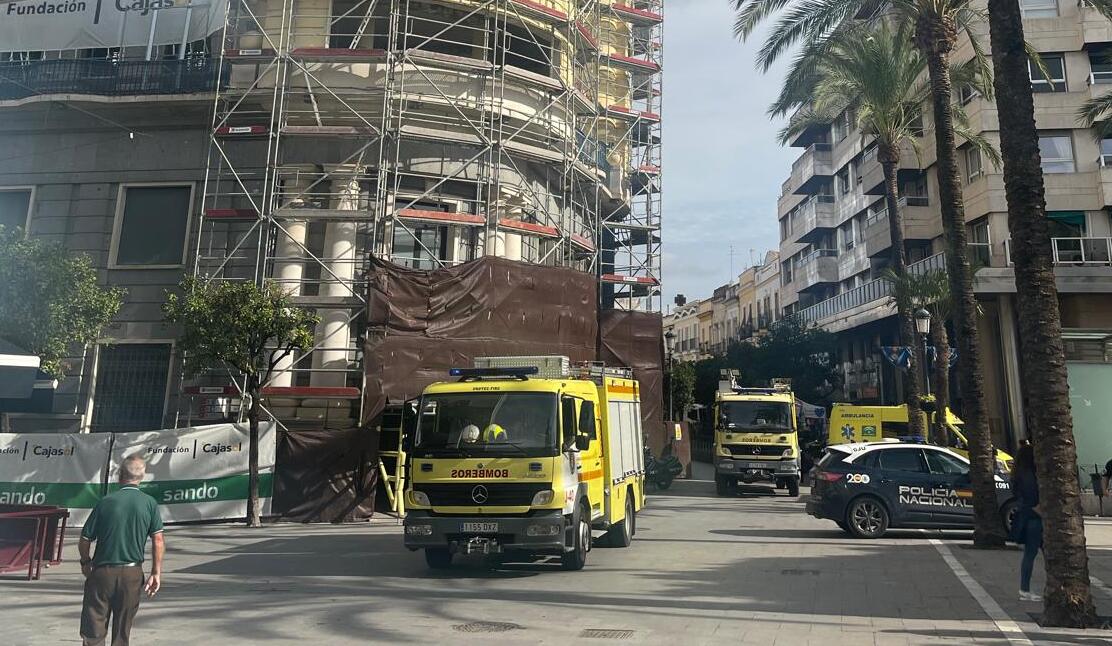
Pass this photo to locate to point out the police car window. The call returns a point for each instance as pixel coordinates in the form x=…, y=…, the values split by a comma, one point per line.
x=940, y=462
x=901, y=460
x=868, y=460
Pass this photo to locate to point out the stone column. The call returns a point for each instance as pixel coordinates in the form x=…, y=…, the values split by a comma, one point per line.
x=337, y=277
x=289, y=265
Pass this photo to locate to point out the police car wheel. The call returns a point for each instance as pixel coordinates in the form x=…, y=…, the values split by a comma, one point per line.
x=438, y=558
x=1007, y=512
x=867, y=518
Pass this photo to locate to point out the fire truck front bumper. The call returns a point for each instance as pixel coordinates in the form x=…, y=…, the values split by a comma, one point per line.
x=541, y=532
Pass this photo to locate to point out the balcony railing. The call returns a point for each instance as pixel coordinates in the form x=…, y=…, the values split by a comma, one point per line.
x=871, y=291
x=1075, y=251
x=22, y=79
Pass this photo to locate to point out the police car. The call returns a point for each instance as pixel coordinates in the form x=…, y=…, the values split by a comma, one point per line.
x=867, y=488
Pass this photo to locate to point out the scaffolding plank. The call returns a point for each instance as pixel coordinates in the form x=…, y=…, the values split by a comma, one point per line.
x=532, y=77
x=449, y=61
x=619, y=279
x=631, y=226
x=534, y=152
x=637, y=16
x=433, y=134
x=241, y=131
x=581, y=242
x=326, y=131
x=309, y=213
x=249, y=54
x=292, y=392
x=333, y=302
x=465, y=219
x=631, y=63
x=585, y=32
x=530, y=228
x=336, y=54
x=543, y=11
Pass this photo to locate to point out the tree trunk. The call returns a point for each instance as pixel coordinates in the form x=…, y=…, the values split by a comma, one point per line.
x=1042, y=358
x=935, y=35
x=254, y=392
x=941, y=339
x=889, y=156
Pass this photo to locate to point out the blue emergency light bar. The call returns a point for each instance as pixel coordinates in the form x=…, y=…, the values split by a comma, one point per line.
x=517, y=373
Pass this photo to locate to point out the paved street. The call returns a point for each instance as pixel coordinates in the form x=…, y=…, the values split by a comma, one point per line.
x=702, y=570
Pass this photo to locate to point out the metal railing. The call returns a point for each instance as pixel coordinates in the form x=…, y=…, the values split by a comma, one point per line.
x=1075, y=251
x=869, y=292
x=22, y=79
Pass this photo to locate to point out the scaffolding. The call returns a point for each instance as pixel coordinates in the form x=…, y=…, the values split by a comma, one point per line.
x=428, y=133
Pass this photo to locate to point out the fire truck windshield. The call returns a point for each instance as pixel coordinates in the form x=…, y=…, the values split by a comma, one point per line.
x=755, y=416
x=489, y=424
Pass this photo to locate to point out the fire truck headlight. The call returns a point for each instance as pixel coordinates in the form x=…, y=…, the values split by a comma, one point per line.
x=786, y=454
x=545, y=529
x=722, y=450
x=419, y=498
x=543, y=497
x=419, y=530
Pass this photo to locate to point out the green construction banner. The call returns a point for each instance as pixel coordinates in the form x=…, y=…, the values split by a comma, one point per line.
x=199, y=473
x=62, y=469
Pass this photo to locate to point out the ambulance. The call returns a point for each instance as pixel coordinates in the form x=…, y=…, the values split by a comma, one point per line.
x=850, y=423
x=756, y=437
x=525, y=456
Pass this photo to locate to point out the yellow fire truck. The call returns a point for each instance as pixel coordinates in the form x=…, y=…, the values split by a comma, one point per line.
x=525, y=455
x=756, y=437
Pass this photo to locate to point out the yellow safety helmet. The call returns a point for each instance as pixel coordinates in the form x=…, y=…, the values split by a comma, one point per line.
x=493, y=432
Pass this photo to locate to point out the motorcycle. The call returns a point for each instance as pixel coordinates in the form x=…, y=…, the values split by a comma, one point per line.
x=661, y=472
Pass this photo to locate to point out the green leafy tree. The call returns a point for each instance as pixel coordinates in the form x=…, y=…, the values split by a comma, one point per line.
x=936, y=27
x=681, y=382
x=244, y=327
x=50, y=299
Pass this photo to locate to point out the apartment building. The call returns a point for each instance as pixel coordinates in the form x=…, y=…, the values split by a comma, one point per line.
x=297, y=142
x=835, y=239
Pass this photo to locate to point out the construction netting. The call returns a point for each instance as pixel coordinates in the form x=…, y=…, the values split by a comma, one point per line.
x=422, y=323
x=635, y=340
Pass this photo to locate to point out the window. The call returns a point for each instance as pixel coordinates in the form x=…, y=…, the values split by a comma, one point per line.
x=909, y=460
x=973, y=163
x=1057, y=153
x=1066, y=224
x=151, y=223
x=942, y=462
x=1056, y=66
x=1100, y=64
x=1038, y=8
x=15, y=207
x=1106, y=152
x=840, y=127
x=130, y=390
x=413, y=249
x=980, y=242
x=967, y=93
x=843, y=182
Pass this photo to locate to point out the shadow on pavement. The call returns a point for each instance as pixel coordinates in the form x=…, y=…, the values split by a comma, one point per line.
x=993, y=637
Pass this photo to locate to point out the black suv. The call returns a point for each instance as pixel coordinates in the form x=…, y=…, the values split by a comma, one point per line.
x=867, y=488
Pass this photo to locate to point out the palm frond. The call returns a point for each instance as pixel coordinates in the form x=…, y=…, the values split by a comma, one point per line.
x=1094, y=113
x=802, y=21
x=1103, y=7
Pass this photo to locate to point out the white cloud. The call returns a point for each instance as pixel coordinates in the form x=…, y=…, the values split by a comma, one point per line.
x=723, y=167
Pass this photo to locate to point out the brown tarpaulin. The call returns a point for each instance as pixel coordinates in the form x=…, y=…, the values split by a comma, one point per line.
x=422, y=323
x=325, y=476
x=635, y=340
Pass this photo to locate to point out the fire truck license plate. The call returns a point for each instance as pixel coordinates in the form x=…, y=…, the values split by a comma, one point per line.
x=480, y=527
x=755, y=465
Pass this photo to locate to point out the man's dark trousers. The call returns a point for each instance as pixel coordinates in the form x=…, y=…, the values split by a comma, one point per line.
x=111, y=591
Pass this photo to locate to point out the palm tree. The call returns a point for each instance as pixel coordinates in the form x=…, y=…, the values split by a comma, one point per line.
x=875, y=75
x=937, y=24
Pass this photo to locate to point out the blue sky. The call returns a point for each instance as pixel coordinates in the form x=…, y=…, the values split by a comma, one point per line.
x=722, y=165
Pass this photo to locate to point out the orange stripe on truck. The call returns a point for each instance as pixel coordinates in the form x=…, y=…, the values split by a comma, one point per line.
x=622, y=390
x=590, y=475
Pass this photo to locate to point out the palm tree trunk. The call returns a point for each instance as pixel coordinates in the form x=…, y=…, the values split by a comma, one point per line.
x=253, y=391
x=936, y=35
x=941, y=339
x=1045, y=386
x=889, y=156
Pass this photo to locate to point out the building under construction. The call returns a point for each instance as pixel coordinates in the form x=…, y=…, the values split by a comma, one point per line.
x=430, y=134
x=304, y=142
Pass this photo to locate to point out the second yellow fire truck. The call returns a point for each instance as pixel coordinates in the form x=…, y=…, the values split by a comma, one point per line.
x=525, y=455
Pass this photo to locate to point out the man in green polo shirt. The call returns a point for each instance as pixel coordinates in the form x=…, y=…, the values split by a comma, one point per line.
x=119, y=525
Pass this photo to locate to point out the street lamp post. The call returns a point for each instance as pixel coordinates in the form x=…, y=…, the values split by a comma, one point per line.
x=923, y=327
x=669, y=339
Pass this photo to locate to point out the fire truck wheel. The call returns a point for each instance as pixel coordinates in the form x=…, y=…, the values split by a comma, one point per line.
x=621, y=533
x=793, y=487
x=438, y=558
x=577, y=557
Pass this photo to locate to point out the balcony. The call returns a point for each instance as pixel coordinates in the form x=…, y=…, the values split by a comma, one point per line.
x=814, y=217
x=19, y=80
x=1075, y=252
x=870, y=174
x=811, y=169
x=920, y=222
x=818, y=268
x=1095, y=28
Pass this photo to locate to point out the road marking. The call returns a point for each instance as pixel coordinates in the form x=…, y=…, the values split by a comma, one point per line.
x=1010, y=629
